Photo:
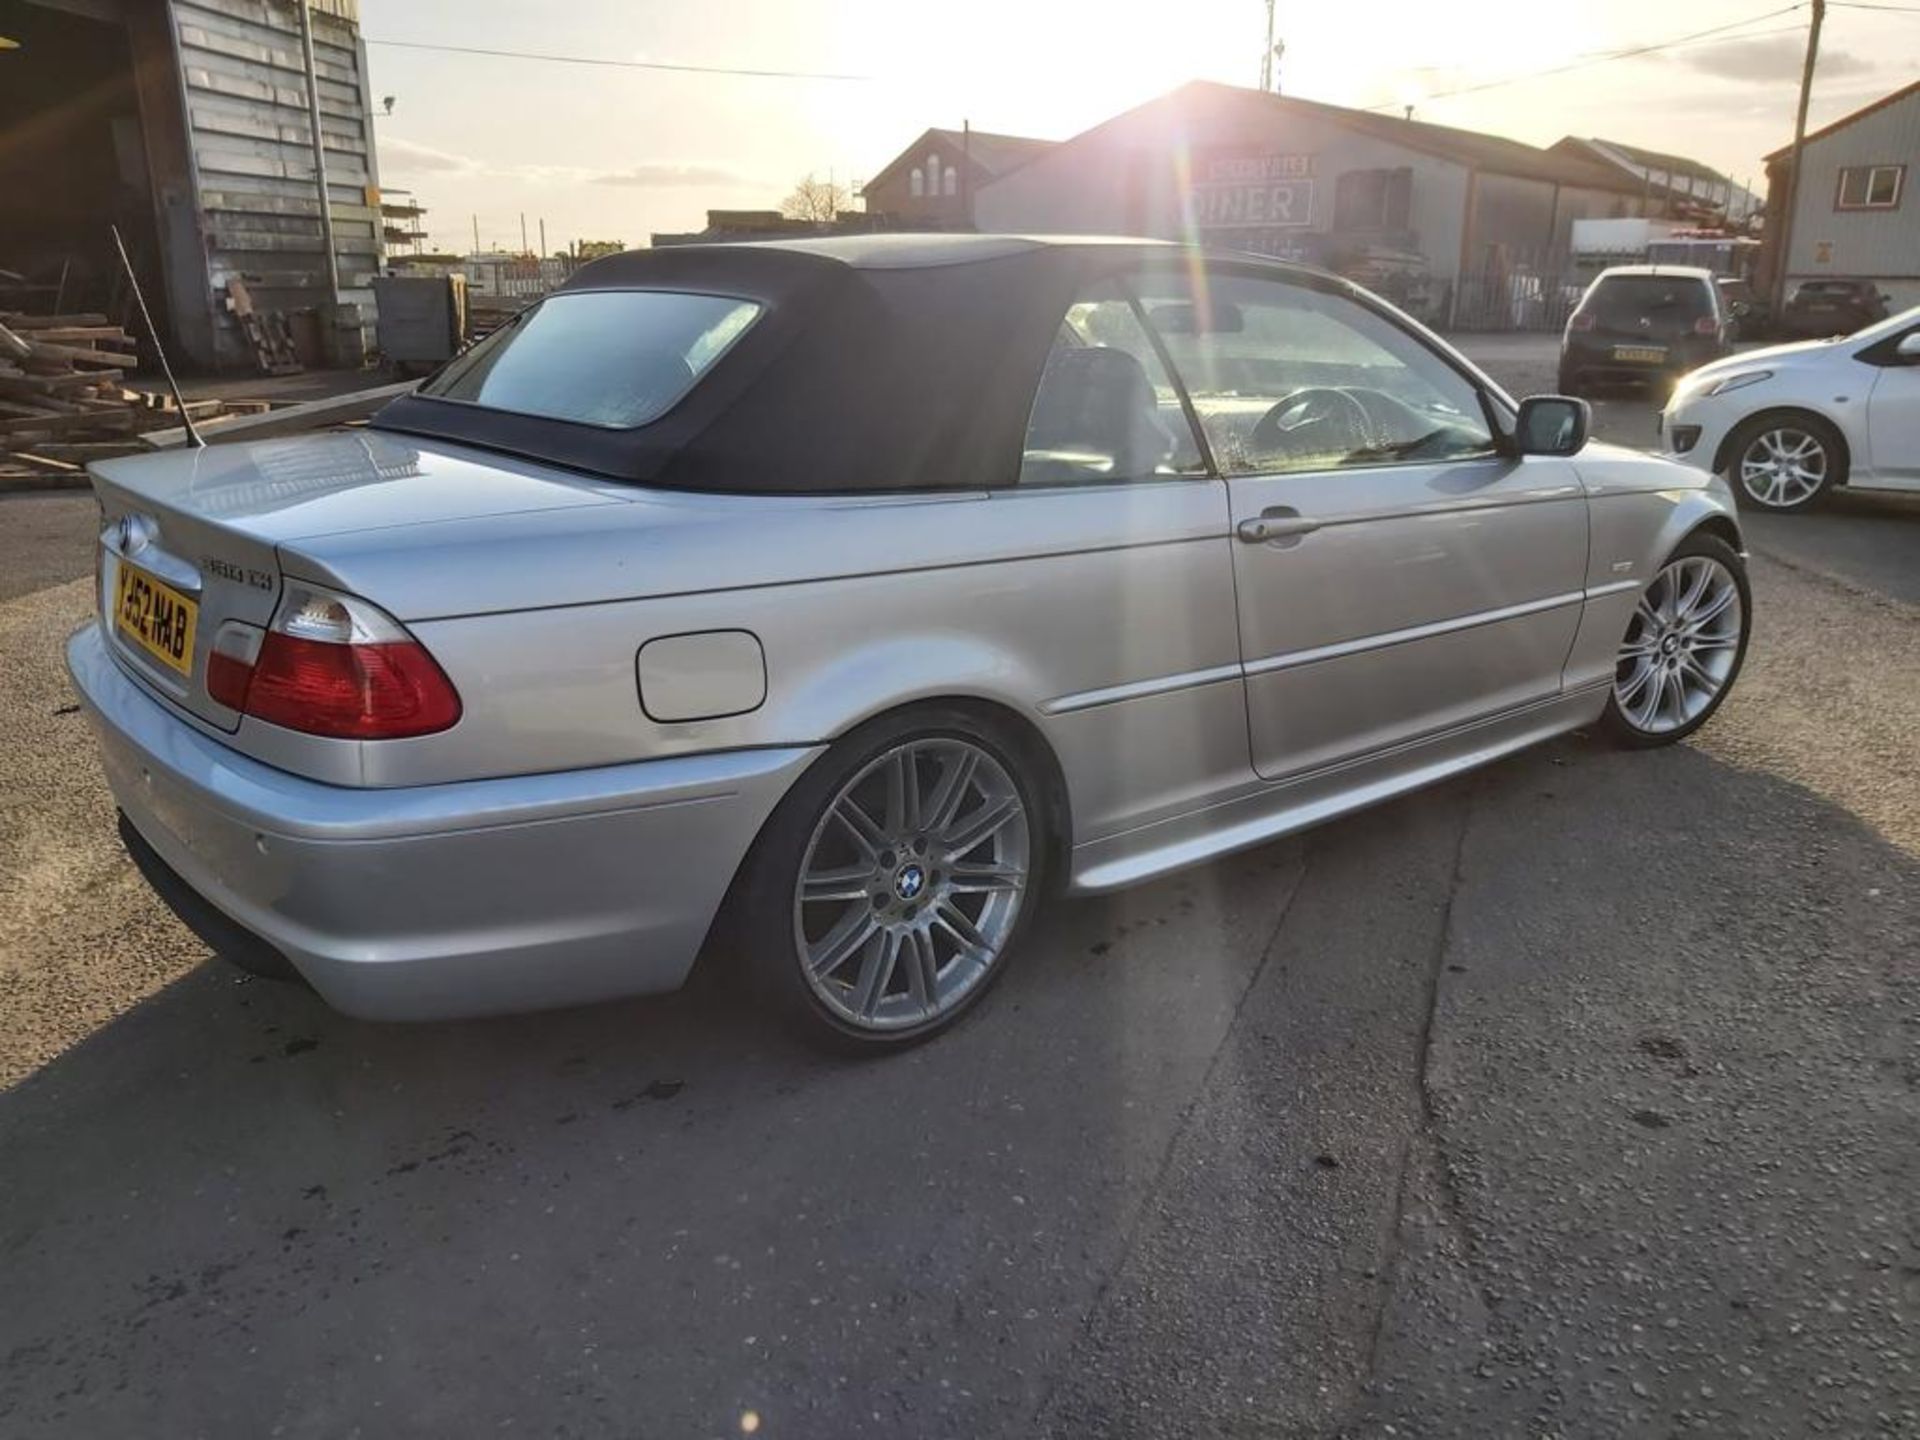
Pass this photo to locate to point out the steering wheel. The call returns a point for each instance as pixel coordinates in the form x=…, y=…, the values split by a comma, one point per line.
x=1319, y=420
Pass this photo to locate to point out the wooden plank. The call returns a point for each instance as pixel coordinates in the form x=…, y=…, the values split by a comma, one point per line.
x=33, y=387
x=77, y=335
x=290, y=419
x=80, y=355
x=81, y=453
x=15, y=320
x=44, y=462
x=74, y=420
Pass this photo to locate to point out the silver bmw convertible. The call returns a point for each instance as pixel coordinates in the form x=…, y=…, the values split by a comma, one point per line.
x=819, y=607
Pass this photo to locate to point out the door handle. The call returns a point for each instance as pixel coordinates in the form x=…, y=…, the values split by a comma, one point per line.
x=1276, y=524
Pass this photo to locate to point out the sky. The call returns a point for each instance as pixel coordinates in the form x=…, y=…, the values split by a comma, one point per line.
x=604, y=153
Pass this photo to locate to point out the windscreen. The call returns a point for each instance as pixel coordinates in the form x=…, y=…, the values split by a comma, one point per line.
x=612, y=358
x=1627, y=298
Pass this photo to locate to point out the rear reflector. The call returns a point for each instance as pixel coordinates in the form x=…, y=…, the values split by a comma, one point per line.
x=1706, y=325
x=1580, y=321
x=230, y=663
x=384, y=691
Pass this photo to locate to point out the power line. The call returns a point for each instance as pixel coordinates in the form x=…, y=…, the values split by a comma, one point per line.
x=1886, y=9
x=617, y=64
x=1603, y=57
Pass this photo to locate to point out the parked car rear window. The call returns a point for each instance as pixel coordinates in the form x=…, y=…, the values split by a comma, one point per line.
x=613, y=358
x=1658, y=297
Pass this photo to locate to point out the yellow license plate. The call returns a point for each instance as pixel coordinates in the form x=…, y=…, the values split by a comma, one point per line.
x=1639, y=353
x=156, y=617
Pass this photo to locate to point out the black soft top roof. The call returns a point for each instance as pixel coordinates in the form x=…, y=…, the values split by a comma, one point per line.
x=881, y=362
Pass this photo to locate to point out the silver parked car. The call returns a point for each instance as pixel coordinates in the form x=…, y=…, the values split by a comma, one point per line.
x=820, y=604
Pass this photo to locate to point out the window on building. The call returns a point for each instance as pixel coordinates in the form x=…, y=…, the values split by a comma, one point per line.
x=1373, y=199
x=950, y=185
x=1870, y=187
x=917, y=183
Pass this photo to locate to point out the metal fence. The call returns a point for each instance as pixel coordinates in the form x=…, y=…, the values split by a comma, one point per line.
x=1515, y=299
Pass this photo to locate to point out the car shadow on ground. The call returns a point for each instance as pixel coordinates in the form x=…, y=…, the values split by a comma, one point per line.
x=234, y=1211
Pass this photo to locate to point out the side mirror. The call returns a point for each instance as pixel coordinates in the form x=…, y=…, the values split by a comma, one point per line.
x=1909, y=346
x=1552, y=425
x=1741, y=309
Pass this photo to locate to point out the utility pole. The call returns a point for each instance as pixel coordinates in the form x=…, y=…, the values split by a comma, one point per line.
x=1783, y=247
x=543, y=237
x=476, y=234
x=966, y=170
x=523, y=232
x=1266, y=55
x=320, y=153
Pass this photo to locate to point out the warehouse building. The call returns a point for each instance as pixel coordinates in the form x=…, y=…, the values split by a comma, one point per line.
x=1854, y=217
x=1675, y=188
x=1457, y=226
x=190, y=125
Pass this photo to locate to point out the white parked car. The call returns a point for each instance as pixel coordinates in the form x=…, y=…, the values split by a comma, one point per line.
x=1787, y=424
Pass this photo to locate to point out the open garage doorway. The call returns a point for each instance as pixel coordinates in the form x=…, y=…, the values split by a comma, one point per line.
x=74, y=159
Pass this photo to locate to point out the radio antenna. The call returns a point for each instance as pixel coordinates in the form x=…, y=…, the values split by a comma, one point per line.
x=186, y=420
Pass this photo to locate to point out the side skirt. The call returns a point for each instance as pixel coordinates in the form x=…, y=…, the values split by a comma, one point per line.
x=1266, y=814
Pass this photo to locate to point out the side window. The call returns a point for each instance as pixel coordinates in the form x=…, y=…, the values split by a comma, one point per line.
x=1287, y=377
x=1105, y=409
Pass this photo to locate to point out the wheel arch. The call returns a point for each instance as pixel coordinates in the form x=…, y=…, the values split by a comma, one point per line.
x=1721, y=527
x=1036, y=752
x=1724, y=456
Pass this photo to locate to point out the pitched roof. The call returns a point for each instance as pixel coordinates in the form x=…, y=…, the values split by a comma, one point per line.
x=995, y=153
x=1845, y=120
x=991, y=154
x=1678, y=166
x=1477, y=151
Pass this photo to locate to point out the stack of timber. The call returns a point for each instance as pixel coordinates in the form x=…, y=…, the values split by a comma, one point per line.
x=63, y=401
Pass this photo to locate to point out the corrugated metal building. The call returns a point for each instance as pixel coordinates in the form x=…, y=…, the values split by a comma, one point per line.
x=190, y=124
x=1438, y=218
x=1854, y=218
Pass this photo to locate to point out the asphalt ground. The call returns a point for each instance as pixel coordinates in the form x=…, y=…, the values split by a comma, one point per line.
x=1578, y=1097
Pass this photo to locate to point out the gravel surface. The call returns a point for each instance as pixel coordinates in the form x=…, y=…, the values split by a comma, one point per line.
x=1576, y=1098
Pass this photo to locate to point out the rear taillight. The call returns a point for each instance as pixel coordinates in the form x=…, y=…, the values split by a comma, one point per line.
x=1580, y=320
x=1706, y=325
x=332, y=665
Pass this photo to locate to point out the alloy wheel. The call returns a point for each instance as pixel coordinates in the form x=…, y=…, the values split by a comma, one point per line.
x=1681, y=646
x=912, y=884
x=1783, y=467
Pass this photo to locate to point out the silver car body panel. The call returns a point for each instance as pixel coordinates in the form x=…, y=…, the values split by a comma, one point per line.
x=1199, y=692
x=462, y=899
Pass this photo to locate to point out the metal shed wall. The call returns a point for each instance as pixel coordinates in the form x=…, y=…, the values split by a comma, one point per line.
x=1867, y=244
x=245, y=92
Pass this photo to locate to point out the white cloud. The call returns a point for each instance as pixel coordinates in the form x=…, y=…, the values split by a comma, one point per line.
x=411, y=157
x=668, y=174
x=1774, y=57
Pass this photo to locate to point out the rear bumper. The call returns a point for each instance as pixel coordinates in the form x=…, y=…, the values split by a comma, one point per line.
x=439, y=901
x=1594, y=362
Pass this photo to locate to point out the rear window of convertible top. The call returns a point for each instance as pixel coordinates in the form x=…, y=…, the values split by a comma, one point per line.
x=613, y=358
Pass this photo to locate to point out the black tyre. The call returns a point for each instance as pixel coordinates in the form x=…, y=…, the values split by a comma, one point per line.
x=1785, y=461
x=1684, y=645
x=1570, y=386
x=891, y=887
